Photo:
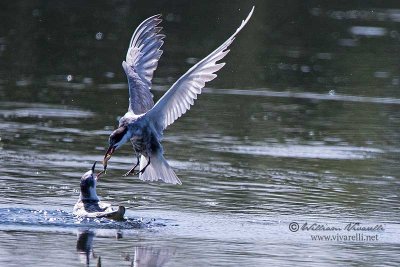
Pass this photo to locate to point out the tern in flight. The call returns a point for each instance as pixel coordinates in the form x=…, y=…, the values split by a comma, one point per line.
x=145, y=122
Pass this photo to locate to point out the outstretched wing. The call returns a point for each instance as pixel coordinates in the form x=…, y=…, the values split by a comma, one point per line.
x=141, y=62
x=178, y=99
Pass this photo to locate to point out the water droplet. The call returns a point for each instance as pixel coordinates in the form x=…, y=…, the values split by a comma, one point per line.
x=324, y=56
x=305, y=68
x=87, y=80
x=99, y=36
x=36, y=13
x=109, y=74
x=316, y=11
x=170, y=17
x=67, y=140
x=348, y=42
x=192, y=60
x=69, y=77
x=394, y=34
x=332, y=92
x=381, y=74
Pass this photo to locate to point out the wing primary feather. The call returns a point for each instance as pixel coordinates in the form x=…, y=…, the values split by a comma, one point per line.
x=141, y=61
x=186, y=88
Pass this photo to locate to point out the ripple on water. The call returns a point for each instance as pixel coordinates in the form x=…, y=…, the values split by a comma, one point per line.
x=303, y=151
x=265, y=92
x=41, y=112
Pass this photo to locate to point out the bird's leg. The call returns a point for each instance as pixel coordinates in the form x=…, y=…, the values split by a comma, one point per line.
x=142, y=170
x=133, y=169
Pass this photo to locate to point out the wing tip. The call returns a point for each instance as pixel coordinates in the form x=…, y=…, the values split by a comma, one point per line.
x=250, y=14
x=244, y=22
x=162, y=106
x=252, y=10
x=156, y=16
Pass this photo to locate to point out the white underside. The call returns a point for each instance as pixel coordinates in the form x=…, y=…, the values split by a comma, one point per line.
x=158, y=169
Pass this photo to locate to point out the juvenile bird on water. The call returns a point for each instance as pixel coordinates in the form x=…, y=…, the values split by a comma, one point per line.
x=145, y=122
x=89, y=204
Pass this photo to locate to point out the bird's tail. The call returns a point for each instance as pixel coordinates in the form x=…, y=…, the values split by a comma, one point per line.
x=158, y=169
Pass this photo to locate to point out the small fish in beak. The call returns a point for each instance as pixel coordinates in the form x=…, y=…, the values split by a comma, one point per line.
x=107, y=156
x=93, y=170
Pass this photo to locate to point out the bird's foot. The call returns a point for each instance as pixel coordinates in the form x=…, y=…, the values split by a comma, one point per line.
x=130, y=172
x=126, y=174
x=134, y=172
x=133, y=169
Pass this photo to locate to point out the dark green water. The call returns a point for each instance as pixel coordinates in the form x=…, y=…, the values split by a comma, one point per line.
x=302, y=125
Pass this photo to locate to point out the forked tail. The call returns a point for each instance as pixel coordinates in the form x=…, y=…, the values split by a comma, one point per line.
x=158, y=169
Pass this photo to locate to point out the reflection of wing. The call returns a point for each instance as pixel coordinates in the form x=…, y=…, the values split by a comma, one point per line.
x=151, y=257
x=177, y=100
x=141, y=62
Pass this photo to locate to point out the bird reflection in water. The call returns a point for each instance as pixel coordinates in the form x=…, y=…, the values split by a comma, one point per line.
x=84, y=246
x=150, y=256
x=142, y=257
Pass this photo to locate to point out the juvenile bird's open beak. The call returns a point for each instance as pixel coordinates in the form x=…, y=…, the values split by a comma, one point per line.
x=93, y=170
x=94, y=166
x=107, y=156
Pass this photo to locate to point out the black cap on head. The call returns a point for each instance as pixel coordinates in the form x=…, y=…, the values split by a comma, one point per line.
x=117, y=135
